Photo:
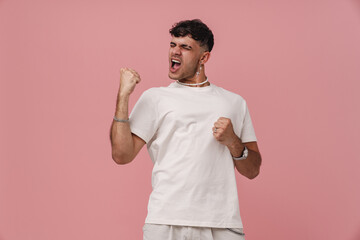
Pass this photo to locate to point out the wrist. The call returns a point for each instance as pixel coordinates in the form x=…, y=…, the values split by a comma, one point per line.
x=119, y=114
x=122, y=101
x=244, y=154
x=123, y=95
x=124, y=120
x=235, y=143
x=121, y=109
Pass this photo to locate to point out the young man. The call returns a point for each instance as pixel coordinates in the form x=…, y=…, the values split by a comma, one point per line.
x=196, y=133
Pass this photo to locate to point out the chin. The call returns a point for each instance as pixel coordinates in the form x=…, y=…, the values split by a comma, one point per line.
x=173, y=77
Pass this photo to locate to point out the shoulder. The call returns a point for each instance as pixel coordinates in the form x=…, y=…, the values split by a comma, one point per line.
x=230, y=95
x=161, y=91
x=156, y=90
x=154, y=94
x=151, y=92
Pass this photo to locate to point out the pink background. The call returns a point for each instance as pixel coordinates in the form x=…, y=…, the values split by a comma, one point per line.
x=297, y=63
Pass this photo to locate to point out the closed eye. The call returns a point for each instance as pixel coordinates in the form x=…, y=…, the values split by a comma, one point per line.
x=186, y=46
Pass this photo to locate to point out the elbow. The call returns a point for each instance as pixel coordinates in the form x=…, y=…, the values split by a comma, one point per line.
x=121, y=159
x=254, y=174
x=256, y=171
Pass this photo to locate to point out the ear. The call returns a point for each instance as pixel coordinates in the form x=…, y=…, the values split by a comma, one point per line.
x=205, y=57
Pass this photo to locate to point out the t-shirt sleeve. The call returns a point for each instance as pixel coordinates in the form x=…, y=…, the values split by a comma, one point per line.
x=143, y=117
x=247, y=132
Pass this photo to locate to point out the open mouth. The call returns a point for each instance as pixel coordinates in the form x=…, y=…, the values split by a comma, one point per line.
x=175, y=65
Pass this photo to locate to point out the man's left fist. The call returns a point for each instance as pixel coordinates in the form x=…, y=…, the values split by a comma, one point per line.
x=223, y=131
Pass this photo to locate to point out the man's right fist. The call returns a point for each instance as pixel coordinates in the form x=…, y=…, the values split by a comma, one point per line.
x=128, y=79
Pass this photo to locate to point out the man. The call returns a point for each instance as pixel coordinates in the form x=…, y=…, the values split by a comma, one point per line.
x=196, y=133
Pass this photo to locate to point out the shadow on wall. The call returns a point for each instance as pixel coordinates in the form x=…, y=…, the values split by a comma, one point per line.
x=357, y=4
x=357, y=235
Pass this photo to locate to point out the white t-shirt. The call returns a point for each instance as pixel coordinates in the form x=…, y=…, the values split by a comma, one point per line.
x=193, y=177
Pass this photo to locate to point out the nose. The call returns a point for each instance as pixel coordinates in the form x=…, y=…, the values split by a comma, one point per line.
x=176, y=50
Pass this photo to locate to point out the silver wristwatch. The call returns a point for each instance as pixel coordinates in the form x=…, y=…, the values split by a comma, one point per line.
x=244, y=154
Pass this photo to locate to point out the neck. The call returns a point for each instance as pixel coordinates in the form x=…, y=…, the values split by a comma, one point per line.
x=198, y=80
x=204, y=83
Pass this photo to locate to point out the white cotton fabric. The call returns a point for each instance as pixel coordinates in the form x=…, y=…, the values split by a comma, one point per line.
x=193, y=177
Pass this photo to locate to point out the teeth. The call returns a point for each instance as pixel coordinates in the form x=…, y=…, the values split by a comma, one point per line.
x=176, y=61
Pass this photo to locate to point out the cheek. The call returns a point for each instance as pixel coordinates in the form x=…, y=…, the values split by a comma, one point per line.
x=191, y=61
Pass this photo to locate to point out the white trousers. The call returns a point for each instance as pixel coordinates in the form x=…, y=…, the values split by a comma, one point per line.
x=174, y=232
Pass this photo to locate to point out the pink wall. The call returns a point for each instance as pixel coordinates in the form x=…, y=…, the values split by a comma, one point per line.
x=296, y=63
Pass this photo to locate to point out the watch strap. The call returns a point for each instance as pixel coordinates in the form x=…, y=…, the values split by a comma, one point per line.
x=244, y=154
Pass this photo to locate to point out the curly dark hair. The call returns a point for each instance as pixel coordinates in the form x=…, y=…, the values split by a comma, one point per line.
x=196, y=29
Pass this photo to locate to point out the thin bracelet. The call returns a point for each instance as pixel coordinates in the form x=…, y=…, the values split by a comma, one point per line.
x=121, y=120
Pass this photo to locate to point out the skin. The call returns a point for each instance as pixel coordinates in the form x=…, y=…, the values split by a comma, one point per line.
x=192, y=56
x=126, y=145
x=249, y=167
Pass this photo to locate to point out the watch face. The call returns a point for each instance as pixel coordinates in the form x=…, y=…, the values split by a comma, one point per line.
x=245, y=152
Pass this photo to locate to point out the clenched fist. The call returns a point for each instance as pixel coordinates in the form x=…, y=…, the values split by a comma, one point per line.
x=128, y=79
x=223, y=131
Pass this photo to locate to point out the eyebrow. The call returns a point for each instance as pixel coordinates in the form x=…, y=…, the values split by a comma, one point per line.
x=182, y=45
x=185, y=45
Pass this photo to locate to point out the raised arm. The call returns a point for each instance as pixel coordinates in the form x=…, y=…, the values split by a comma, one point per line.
x=125, y=145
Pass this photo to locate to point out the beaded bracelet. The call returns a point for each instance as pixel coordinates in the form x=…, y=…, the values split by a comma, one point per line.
x=121, y=120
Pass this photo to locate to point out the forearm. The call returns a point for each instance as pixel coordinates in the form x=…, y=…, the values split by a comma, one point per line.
x=249, y=167
x=120, y=135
